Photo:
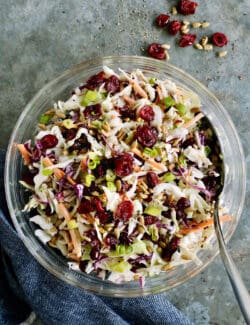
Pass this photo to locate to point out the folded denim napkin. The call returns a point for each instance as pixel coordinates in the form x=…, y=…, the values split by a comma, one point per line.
x=25, y=286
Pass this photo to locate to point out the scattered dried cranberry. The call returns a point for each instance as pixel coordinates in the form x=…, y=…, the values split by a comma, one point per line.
x=85, y=206
x=95, y=81
x=147, y=113
x=125, y=239
x=183, y=203
x=48, y=141
x=93, y=112
x=104, y=217
x=152, y=179
x=112, y=84
x=95, y=253
x=188, y=142
x=125, y=187
x=171, y=248
x=149, y=220
x=124, y=210
x=156, y=51
x=187, y=7
x=174, y=27
x=68, y=134
x=219, y=39
x=82, y=265
x=127, y=112
x=162, y=20
x=96, y=202
x=124, y=164
x=187, y=40
x=146, y=135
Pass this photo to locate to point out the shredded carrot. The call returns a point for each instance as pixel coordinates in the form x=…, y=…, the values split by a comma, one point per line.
x=64, y=211
x=152, y=162
x=193, y=121
x=159, y=92
x=129, y=100
x=88, y=217
x=76, y=242
x=57, y=171
x=198, y=226
x=24, y=152
x=138, y=89
x=73, y=232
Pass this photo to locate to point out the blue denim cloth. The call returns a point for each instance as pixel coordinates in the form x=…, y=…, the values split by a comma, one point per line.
x=25, y=285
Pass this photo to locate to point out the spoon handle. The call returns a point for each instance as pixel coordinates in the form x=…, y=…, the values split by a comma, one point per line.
x=239, y=287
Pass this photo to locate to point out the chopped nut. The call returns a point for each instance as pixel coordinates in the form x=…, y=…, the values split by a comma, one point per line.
x=118, y=184
x=166, y=46
x=185, y=22
x=221, y=54
x=141, y=229
x=102, y=230
x=204, y=40
x=174, y=11
x=208, y=47
x=185, y=31
x=196, y=24
x=167, y=267
x=195, y=110
x=198, y=46
x=205, y=24
x=50, y=111
x=60, y=114
x=159, y=250
x=162, y=244
x=106, y=126
x=42, y=126
x=86, y=238
x=167, y=55
x=141, y=220
x=150, y=249
x=117, y=233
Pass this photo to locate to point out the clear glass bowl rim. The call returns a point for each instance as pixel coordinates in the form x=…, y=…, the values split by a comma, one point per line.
x=222, y=124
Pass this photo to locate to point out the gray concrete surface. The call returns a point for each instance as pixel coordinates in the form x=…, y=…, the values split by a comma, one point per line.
x=40, y=39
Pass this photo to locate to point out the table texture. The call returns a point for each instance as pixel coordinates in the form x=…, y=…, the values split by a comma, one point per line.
x=40, y=39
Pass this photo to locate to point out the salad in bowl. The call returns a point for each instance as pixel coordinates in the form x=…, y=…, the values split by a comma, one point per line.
x=123, y=176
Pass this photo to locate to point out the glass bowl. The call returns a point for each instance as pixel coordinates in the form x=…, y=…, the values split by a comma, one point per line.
x=60, y=89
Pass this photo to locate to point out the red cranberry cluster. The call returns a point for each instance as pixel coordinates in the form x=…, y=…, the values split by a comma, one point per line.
x=185, y=7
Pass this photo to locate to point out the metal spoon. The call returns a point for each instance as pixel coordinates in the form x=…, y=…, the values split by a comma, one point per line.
x=239, y=288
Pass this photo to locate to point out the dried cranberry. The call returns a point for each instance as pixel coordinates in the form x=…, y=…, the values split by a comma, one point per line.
x=96, y=202
x=127, y=112
x=149, y=220
x=85, y=206
x=104, y=217
x=188, y=142
x=173, y=27
x=210, y=182
x=95, y=81
x=156, y=51
x=28, y=178
x=152, y=179
x=162, y=20
x=68, y=134
x=125, y=239
x=112, y=84
x=180, y=215
x=124, y=210
x=187, y=7
x=147, y=113
x=219, y=39
x=124, y=164
x=95, y=253
x=80, y=144
x=48, y=141
x=83, y=265
x=171, y=248
x=146, y=135
x=187, y=40
x=93, y=112
x=183, y=203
